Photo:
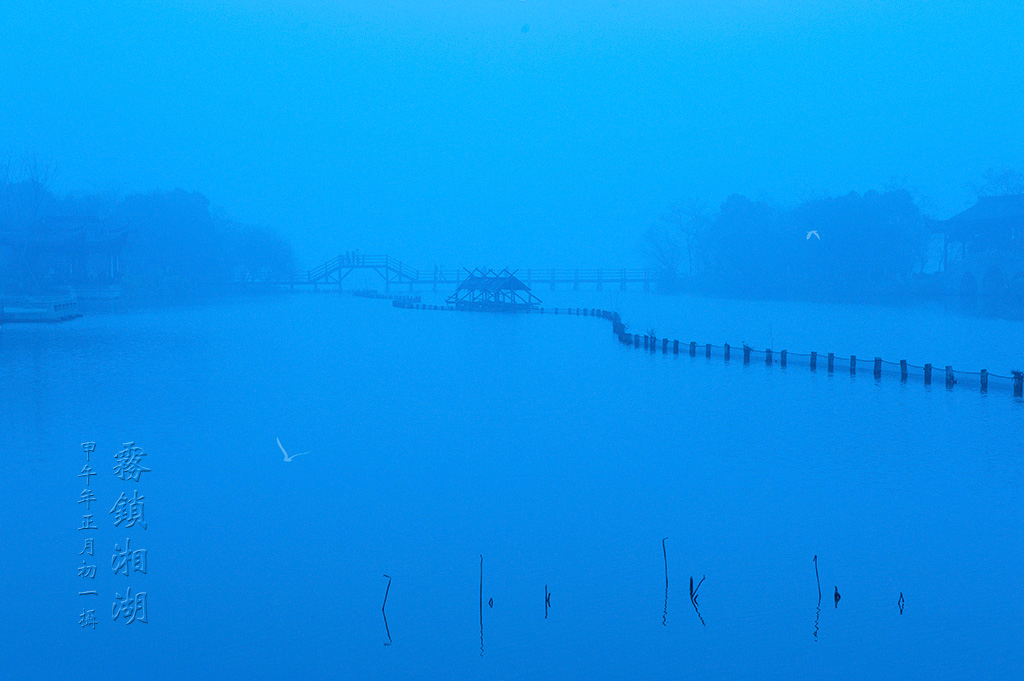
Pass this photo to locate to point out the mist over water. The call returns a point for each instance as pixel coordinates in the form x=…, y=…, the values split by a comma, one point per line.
x=444, y=134
x=338, y=487
x=537, y=441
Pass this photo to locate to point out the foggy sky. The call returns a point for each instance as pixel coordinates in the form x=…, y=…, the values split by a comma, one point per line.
x=509, y=132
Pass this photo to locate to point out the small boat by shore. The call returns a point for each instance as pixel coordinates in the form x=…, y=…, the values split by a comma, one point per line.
x=38, y=309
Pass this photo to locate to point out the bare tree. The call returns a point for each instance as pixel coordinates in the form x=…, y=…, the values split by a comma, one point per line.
x=39, y=175
x=690, y=221
x=1000, y=182
x=5, y=189
x=24, y=188
x=662, y=246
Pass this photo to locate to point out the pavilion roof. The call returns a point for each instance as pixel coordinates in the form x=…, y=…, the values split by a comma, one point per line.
x=992, y=208
x=480, y=280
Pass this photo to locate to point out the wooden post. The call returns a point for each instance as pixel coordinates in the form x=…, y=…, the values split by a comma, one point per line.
x=831, y=362
x=903, y=370
x=853, y=364
x=984, y=380
x=782, y=358
x=675, y=347
x=768, y=357
x=664, y=346
x=693, y=349
x=927, y=374
x=746, y=354
x=726, y=352
x=814, y=361
x=636, y=340
x=707, y=350
x=647, y=340
x=950, y=380
x=1018, y=384
x=878, y=367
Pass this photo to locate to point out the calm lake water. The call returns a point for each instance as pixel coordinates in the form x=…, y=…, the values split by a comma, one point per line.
x=537, y=442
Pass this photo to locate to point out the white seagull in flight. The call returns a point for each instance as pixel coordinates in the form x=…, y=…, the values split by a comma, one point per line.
x=815, y=233
x=286, y=457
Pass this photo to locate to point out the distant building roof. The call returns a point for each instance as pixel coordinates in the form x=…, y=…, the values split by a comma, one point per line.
x=995, y=221
x=992, y=208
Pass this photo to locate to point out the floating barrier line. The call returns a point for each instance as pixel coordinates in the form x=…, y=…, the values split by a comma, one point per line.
x=832, y=362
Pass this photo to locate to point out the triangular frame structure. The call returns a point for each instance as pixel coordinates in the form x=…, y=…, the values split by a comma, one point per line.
x=487, y=290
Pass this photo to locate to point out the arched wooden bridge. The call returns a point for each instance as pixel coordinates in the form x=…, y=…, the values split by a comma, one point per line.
x=395, y=273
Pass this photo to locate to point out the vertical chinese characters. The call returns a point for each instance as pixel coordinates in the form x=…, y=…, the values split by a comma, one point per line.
x=129, y=512
x=87, y=618
x=129, y=462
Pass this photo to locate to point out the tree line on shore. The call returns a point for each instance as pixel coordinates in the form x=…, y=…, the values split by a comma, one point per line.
x=875, y=243
x=170, y=241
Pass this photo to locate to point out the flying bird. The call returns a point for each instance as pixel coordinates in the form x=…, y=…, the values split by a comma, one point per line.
x=286, y=457
x=815, y=233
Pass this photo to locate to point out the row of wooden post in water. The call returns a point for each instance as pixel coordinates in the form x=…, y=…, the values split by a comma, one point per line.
x=783, y=357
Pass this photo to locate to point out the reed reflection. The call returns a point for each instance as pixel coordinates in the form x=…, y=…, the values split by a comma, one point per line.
x=385, y=615
x=482, y=606
x=817, y=611
x=664, y=614
x=693, y=598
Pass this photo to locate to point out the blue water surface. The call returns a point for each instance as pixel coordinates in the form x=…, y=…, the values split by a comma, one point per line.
x=538, y=443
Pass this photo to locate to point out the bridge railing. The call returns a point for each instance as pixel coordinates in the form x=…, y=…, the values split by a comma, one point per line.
x=589, y=275
x=339, y=262
x=401, y=269
x=397, y=271
x=321, y=272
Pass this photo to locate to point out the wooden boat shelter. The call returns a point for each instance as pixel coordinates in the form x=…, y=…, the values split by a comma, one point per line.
x=491, y=291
